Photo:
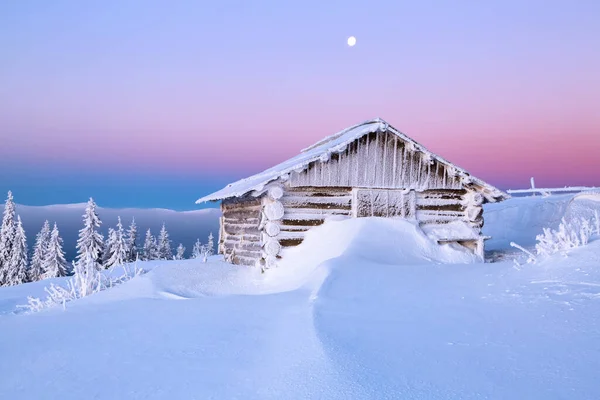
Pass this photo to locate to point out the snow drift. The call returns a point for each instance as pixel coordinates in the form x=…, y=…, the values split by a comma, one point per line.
x=363, y=309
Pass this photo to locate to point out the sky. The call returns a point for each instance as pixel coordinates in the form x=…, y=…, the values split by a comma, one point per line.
x=155, y=104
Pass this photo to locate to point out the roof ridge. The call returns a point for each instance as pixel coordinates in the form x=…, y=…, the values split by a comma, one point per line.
x=340, y=133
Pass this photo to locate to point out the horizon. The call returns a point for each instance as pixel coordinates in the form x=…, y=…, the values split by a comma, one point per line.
x=97, y=102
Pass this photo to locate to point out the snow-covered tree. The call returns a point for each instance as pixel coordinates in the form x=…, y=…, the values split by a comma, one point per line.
x=119, y=247
x=55, y=264
x=87, y=279
x=7, y=236
x=179, y=255
x=16, y=270
x=37, y=266
x=90, y=242
x=131, y=240
x=164, y=245
x=198, y=249
x=150, y=248
x=209, y=249
x=109, y=243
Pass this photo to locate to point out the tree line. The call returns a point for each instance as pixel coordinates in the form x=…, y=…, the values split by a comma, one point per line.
x=48, y=258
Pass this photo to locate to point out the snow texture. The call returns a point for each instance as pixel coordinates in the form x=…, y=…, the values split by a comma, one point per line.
x=452, y=230
x=321, y=151
x=363, y=309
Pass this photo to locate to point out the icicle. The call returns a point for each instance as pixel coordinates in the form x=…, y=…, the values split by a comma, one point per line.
x=427, y=158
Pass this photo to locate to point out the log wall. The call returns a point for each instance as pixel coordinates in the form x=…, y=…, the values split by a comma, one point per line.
x=306, y=207
x=240, y=239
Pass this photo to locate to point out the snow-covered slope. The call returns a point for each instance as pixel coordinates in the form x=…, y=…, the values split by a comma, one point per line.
x=363, y=309
x=183, y=226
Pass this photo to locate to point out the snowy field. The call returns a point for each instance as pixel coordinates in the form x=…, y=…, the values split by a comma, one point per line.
x=363, y=309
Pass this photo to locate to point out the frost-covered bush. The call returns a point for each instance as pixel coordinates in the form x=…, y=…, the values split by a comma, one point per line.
x=569, y=235
x=86, y=280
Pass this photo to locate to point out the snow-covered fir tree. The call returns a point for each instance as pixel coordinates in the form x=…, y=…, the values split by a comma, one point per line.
x=119, y=247
x=109, y=243
x=55, y=264
x=132, y=250
x=164, y=245
x=90, y=243
x=198, y=249
x=37, y=266
x=209, y=249
x=7, y=236
x=180, y=254
x=16, y=270
x=150, y=248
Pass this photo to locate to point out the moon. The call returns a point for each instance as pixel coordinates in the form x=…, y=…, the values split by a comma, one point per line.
x=351, y=41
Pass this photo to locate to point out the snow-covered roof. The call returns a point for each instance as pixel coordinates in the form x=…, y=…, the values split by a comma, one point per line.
x=321, y=150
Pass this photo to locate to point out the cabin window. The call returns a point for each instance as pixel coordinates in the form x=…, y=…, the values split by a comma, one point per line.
x=384, y=203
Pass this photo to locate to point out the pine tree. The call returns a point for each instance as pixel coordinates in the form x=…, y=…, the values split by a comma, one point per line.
x=37, y=267
x=198, y=249
x=132, y=251
x=90, y=242
x=210, y=246
x=119, y=247
x=150, y=248
x=111, y=238
x=16, y=271
x=7, y=236
x=164, y=245
x=180, y=252
x=55, y=263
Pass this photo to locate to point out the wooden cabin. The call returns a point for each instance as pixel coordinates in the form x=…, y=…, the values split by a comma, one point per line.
x=370, y=169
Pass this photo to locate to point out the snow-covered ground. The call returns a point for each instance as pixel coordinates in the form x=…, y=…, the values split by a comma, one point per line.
x=363, y=309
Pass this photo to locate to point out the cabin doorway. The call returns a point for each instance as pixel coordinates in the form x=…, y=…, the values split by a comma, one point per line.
x=388, y=203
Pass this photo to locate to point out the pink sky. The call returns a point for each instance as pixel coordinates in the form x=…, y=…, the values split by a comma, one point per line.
x=506, y=89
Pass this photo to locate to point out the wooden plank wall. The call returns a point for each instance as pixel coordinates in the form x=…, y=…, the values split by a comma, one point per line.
x=307, y=207
x=377, y=160
x=240, y=240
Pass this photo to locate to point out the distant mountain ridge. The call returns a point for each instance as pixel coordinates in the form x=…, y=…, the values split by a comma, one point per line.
x=183, y=226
